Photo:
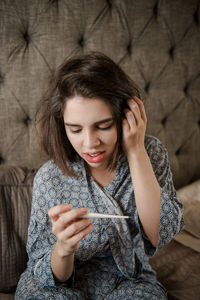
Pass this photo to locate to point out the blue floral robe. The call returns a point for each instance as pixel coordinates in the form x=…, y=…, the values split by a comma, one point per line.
x=112, y=262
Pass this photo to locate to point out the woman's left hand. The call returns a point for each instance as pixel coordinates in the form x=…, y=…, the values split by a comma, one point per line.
x=134, y=127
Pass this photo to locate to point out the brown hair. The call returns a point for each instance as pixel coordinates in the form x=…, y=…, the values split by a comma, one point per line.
x=93, y=75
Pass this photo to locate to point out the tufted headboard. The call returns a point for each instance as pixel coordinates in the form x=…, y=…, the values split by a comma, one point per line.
x=156, y=42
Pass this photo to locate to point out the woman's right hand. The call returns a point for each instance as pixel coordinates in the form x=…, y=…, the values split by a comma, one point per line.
x=68, y=227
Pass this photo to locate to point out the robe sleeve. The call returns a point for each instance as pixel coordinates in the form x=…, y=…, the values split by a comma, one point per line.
x=41, y=240
x=171, y=211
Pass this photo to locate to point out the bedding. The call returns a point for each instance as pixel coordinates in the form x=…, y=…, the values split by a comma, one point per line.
x=15, y=202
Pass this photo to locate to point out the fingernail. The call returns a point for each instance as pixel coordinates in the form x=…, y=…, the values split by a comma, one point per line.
x=84, y=209
x=68, y=205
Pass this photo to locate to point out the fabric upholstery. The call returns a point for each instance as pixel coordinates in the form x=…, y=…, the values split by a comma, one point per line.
x=4, y=296
x=156, y=42
x=15, y=204
x=178, y=268
x=190, y=197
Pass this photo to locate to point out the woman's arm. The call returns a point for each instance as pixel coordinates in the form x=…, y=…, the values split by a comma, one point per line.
x=146, y=187
x=147, y=194
x=49, y=258
x=62, y=266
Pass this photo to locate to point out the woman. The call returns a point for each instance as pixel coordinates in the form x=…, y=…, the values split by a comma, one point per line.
x=92, y=126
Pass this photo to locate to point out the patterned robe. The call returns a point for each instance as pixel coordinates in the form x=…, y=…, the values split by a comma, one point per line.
x=112, y=262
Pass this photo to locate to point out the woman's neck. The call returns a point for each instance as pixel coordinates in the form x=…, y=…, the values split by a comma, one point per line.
x=102, y=176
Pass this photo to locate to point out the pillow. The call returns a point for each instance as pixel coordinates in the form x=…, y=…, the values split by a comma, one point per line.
x=15, y=205
x=178, y=269
x=190, y=197
x=178, y=263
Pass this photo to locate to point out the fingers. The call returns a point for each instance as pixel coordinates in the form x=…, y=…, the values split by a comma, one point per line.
x=134, y=112
x=141, y=108
x=68, y=217
x=136, y=115
x=70, y=245
x=57, y=210
x=68, y=226
x=62, y=217
x=80, y=235
x=130, y=121
x=77, y=228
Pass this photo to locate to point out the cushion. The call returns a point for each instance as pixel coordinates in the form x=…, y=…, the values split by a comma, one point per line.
x=190, y=197
x=178, y=269
x=178, y=264
x=6, y=296
x=15, y=204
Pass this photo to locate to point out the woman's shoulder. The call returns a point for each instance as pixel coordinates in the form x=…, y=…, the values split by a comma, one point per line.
x=157, y=153
x=153, y=144
x=48, y=172
x=48, y=167
x=51, y=173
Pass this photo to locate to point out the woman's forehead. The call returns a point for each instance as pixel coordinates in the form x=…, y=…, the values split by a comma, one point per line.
x=80, y=108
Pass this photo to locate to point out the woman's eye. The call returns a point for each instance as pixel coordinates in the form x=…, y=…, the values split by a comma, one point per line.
x=105, y=128
x=75, y=130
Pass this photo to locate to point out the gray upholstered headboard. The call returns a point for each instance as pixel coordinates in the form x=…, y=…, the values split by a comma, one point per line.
x=156, y=42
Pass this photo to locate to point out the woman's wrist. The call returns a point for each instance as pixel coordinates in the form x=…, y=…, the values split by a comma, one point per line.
x=138, y=153
x=58, y=250
x=62, y=265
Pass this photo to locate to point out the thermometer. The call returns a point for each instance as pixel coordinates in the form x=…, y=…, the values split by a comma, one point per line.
x=96, y=215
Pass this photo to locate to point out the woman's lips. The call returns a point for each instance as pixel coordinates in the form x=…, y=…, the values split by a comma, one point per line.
x=94, y=157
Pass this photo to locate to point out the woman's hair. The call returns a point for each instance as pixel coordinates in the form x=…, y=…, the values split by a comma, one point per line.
x=92, y=75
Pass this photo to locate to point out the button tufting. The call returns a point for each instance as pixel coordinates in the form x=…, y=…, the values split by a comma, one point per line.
x=155, y=10
x=27, y=121
x=81, y=41
x=27, y=37
x=109, y=2
x=171, y=52
x=129, y=48
x=1, y=78
x=2, y=160
x=147, y=87
x=54, y=3
x=196, y=18
x=164, y=120
x=178, y=151
x=186, y=88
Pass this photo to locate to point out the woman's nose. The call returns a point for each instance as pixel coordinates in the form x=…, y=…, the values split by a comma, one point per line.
x=91, y=140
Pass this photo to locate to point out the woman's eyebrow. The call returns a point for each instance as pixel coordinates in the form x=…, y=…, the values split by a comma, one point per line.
x=96, y=123
x=104, y=121
x=69, y=124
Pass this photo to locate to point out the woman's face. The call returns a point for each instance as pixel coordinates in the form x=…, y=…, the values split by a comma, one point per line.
x=91, y=129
